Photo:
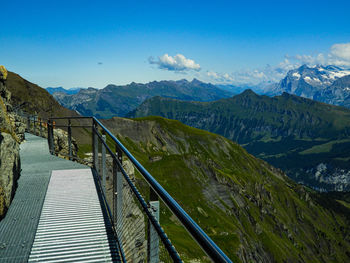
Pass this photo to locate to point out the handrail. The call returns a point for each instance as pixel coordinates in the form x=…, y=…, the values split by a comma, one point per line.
x=207, y=244
x=204, y=241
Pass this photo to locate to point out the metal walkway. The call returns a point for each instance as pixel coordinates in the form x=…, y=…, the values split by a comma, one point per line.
x=71, y=226
x=18, y=228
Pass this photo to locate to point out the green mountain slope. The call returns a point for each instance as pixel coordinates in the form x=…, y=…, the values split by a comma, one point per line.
x=307, y=139
x=253, y=211
x=119, y=100
x=37, y=100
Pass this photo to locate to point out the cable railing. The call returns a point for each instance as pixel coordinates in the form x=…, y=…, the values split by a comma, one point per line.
x=133, y=216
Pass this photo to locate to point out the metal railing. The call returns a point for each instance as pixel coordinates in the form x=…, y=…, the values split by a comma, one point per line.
x=127, y=209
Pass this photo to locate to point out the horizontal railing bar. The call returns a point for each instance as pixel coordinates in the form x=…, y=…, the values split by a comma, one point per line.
x=73, y=126
x=75, y=158
x=71, y=117
x=208, y=245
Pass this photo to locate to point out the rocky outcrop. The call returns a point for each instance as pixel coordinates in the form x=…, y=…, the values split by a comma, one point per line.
x=61, y=143
x=9, y=169
x=11, y=134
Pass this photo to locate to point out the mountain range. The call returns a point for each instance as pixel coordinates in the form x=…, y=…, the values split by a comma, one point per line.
x=307, y=139
x=328, y=84
x=119, y=100
x=72, y=91
x=251, y=210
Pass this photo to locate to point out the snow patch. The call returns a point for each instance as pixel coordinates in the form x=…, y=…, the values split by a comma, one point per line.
x=338, y=74
x=296, y=74
x=307, y=79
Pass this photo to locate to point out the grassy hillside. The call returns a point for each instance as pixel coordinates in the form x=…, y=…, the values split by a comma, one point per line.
x=37, y=100
x=290, y=132
x=252, y=210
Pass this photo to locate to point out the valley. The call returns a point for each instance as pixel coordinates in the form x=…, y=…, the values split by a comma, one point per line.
x=295, y=134
x=253, y=211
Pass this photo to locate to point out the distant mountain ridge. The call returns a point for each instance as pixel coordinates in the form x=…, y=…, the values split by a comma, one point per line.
x=72, y=91
x=119, y=100
x=290, y=132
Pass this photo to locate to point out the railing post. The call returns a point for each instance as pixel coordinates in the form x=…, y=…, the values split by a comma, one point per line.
x=70, y=139
x=41, y=128
x=48, y=135
x=153, y=238
x=51, y=136
x=95, y=146
x=28, y=124
x=118, y=192
x=103, y=165
x=34, y=128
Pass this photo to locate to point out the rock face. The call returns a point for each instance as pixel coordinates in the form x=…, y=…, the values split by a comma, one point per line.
x=61, y=143
x=10, y=169
x=11, y=134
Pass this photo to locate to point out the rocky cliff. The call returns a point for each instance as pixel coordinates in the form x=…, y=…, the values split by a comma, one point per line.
x=11, y=134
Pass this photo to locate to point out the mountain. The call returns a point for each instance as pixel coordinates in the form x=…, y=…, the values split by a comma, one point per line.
x=261, y=88
x=315, y=83
x=119, y=100
x=34, y=99
x=52, y=90
x=235, y=89
x=251, y=210
x=337, y=94
x=309, y=140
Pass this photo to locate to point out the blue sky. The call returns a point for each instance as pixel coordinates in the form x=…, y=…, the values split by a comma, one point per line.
x=94, y=43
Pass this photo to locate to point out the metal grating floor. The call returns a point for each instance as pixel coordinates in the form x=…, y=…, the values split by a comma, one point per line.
x=18, y=227
x=71, y=226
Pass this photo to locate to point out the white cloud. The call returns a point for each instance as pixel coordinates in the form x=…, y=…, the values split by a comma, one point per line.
x=176, y=63
x=252, y=76
x=339, y=55
x=341, y=51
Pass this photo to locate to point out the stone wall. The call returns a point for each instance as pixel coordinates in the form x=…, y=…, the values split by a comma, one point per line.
x=11, y=134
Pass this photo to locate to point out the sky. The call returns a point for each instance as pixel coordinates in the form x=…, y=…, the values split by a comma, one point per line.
x=95, y=43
